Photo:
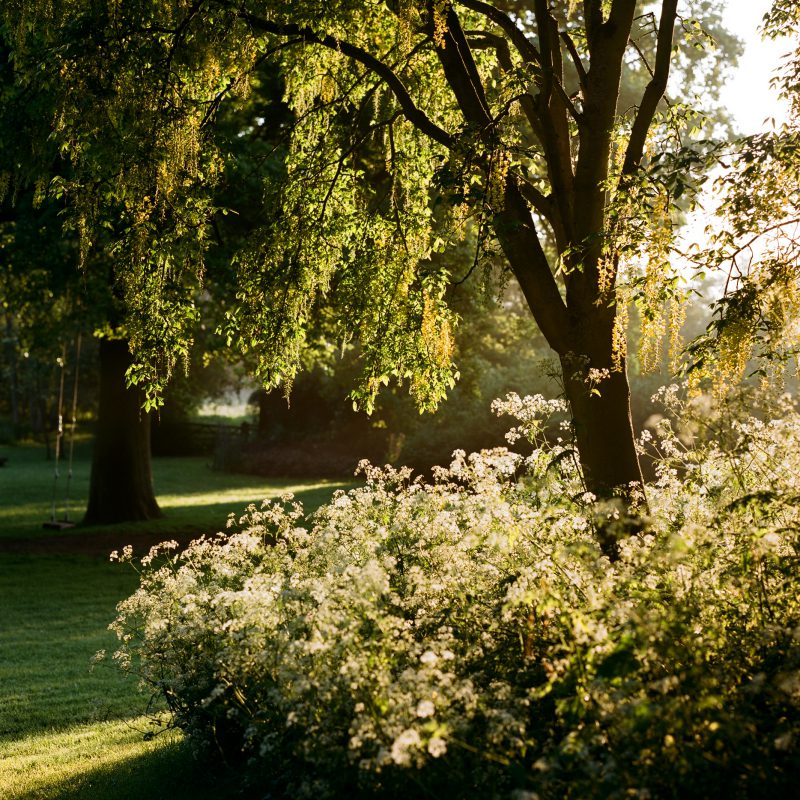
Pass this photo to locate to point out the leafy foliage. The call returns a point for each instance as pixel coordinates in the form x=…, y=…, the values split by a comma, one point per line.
x=469, y=637
x=385, y=163
x=755, y=244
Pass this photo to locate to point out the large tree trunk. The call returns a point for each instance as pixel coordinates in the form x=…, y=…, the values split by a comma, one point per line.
x=121, y=488
x=603, y=429
x=581, y=332
x=596, y=386
x=604, y=435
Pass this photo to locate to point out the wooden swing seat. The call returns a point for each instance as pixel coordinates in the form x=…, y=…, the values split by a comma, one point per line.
x=58, y=525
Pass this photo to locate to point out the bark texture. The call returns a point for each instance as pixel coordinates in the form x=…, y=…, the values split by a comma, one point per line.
x=121, y=488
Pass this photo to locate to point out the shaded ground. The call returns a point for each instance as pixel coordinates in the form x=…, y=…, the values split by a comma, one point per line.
x=70, y=730
x=82, y=541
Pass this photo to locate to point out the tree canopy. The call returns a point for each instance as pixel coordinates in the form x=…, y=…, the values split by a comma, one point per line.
x=415, y=126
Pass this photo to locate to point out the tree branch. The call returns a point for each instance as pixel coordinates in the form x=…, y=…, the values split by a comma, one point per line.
x=460, y=64
x=655, y=89
x=526, y=49
x=593, y=16
x=553, y=105
x=567, y=101
x=517, y=234
x=411, y=111
x=496, y=43
x=576, y=59
x=621, y=16
x=462, y=74
x=541, y=203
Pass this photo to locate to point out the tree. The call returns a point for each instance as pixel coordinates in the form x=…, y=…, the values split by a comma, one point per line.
x=48, y=299
x=756, y=246
x=46, y=304
x=503, y=125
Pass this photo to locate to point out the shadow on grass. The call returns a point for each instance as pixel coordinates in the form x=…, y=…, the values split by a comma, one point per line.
x=168, y=770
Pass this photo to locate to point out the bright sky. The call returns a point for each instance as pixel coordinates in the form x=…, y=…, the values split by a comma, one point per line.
x=748, y=94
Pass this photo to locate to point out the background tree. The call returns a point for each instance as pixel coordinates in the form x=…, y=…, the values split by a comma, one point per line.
x=48, y=300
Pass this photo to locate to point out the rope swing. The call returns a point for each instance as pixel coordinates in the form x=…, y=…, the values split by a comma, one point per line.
x=65, y=522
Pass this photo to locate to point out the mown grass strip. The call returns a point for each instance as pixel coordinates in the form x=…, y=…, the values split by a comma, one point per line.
x=191, y=494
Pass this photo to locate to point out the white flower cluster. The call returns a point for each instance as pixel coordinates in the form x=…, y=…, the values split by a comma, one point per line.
x=473, y=629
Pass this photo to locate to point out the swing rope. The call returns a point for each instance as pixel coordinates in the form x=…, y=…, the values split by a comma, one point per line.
x=73, y=423
x=65, y=521
x=59, y=430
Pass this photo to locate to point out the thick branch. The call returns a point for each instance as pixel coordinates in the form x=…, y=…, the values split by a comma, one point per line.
x=525, y=48
x=553, y=107
x=412, y=113
x=462, y=75
x=576, y=59
x=519, y=239
x=655, y=89
x=607, y=48
x=593, y=15
x=620, y=17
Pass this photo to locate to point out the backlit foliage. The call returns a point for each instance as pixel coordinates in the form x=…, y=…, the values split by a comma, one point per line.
x=380, y=175
x=468, y=638
x=757, y=243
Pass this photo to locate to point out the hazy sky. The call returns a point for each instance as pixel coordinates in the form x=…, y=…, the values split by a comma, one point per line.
x=748, y=94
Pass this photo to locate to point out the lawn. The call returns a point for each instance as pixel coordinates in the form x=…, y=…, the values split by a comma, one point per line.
x=68, y=730
x=193, y=497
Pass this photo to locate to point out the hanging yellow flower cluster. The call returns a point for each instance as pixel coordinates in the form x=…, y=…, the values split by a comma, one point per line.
x=436, y=333
x=440, y=9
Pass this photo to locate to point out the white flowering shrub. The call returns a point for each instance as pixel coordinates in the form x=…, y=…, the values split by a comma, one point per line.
x=468, y=638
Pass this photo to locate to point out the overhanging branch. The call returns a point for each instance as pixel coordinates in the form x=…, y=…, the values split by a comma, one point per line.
x=655, y=89
x=411, y=111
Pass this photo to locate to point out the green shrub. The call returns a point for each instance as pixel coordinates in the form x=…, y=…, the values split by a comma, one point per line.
x=468, y=638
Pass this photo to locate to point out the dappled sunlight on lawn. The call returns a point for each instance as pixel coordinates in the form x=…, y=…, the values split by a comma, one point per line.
x=48, y=764
x=239, y=497
x=193, y=496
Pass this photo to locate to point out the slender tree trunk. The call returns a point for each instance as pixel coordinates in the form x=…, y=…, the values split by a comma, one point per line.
x=121, y=488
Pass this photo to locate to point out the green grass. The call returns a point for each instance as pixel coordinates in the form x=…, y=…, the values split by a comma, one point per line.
x=67, y=730
x=55, y=614
x=110, y=761
x=192, y=496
